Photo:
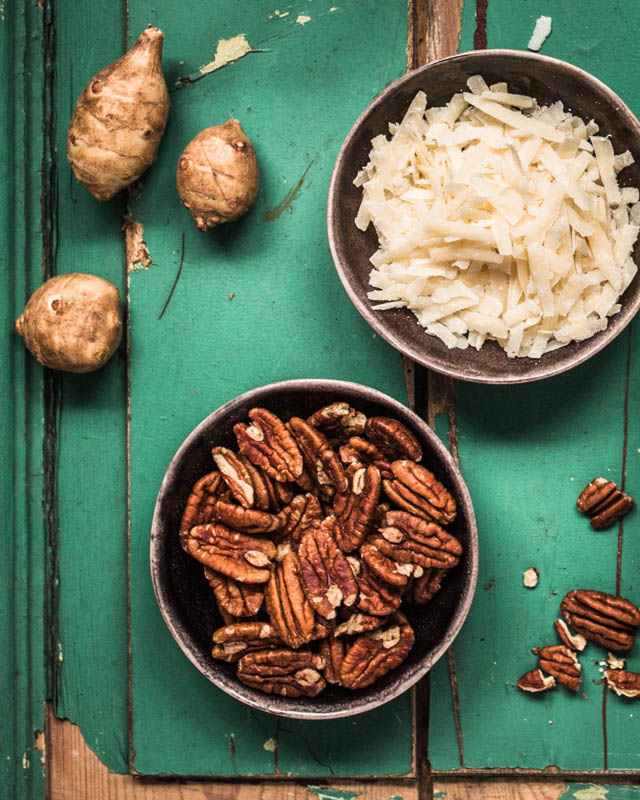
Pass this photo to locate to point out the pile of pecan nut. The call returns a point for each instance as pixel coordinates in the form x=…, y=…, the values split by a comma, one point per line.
x=312, y=536
x=608, y=620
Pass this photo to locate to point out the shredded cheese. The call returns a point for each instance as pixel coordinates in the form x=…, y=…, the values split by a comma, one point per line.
x=499, y=224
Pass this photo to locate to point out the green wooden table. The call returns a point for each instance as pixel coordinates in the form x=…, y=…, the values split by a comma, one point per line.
x=256, y=302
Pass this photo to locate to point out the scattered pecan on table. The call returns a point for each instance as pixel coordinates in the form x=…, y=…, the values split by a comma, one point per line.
x=604, y=502
x=312, y=535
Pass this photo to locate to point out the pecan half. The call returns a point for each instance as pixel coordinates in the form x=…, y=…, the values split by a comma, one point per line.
x=237, y=599
x=327, y=579
x=244, y=558
x=290, y=673
x=623, y=683
x=231, y=642
x=200, y=503
x=374, y=654
x=319, y=457
x=332, y=651
x=426, y=587
x=304, y=513
x=562, y=663
x=339, y=420
x=355, y=510
x=359, y=623
x=289, y=610
x=265, y=497
x=417, y=490
x=360, y=449
x=407, y=538
x=285, y=492
x=235, y=474
x=574, y=641
x=248, y=520
x=603, y=618
x=393, y=438
x=268, y=444
x=385, y=568
x=604, y=501
x=535, y=681
x=376, y=597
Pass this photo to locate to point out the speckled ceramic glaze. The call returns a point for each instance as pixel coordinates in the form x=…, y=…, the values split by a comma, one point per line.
x=187, y=603
x=546, y=79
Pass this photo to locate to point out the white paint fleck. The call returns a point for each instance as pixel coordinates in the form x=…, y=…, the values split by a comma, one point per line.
x=572, y=479
x=530, y=578
x=227, y=51
x=333, y=8
x=592, y=792
x=303, y=19
x=25, y=761
x=279, y=14
x=60, y=656
x=270, y=745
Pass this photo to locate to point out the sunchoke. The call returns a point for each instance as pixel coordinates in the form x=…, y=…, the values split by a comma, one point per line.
x=119, y=119
x=72, y=322
x=218, y=176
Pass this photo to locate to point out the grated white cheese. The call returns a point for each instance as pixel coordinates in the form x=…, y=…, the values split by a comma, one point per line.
x=499, y=224
x=540, y=32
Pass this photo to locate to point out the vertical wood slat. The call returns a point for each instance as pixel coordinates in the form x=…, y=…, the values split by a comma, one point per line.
x=22, y=675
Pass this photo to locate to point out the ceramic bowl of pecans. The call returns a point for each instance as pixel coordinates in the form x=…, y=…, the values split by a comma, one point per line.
x=313, y=548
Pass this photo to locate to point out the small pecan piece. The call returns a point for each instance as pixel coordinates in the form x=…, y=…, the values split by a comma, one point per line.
x=407, y=538
x=241, y=557
x=623, y=683
x=355, y=511
x=374, y=654
x=268, y=444
x=290, y=673
x=332, y=651
x=535, y=681
x=248, y=520
x=304, y=513
x=319, y=457
x=199, y=508
x=289, y=610
x=605, y=502
x=237, y=599
x=339, y=420
x=393, y=438
x=231, y=642
x=376, y=597
x=360, y=449
x=574, y=641
x=603, y=618
x=235, y=475
x=327, y=579
x=417, y=490
x=426, y=587
x=562, y=663
x=359, y=623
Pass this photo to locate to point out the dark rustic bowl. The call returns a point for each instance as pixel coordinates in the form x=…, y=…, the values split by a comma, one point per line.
x=546, y=79
x=185, y=598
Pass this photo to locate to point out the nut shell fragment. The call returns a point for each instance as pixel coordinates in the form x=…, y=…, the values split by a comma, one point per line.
x=535, y=681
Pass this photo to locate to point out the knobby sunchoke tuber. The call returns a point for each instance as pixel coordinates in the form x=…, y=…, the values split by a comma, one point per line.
x=218, y=176
x=72, y=322
x=119, y=119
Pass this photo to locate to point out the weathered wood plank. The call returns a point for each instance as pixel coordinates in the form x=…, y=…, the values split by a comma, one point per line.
x=22, y=544
x=288, y=317
x=526, y=452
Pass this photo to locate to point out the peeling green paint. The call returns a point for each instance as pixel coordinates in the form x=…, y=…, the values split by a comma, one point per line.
x=332, y=794
x=593, y=791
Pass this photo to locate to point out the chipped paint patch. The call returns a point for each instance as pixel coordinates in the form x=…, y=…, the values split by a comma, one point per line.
x=136, y=248
x=592, y=791
x=279, y=14
x=60, y=656
x=303, y=19
x=439, y=795
x=227, y=51
x=332, y=794
x=287, y=203
x=25, y=761
x=270, y=745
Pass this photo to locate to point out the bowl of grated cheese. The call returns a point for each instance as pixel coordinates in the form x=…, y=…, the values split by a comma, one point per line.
x=483, y=215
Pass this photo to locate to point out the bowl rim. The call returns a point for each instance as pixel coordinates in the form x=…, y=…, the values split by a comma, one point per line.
x=588, y=347
x=271, y=703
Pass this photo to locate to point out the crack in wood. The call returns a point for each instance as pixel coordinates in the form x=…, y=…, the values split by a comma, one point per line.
x=480, y=34
x=623, y=469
